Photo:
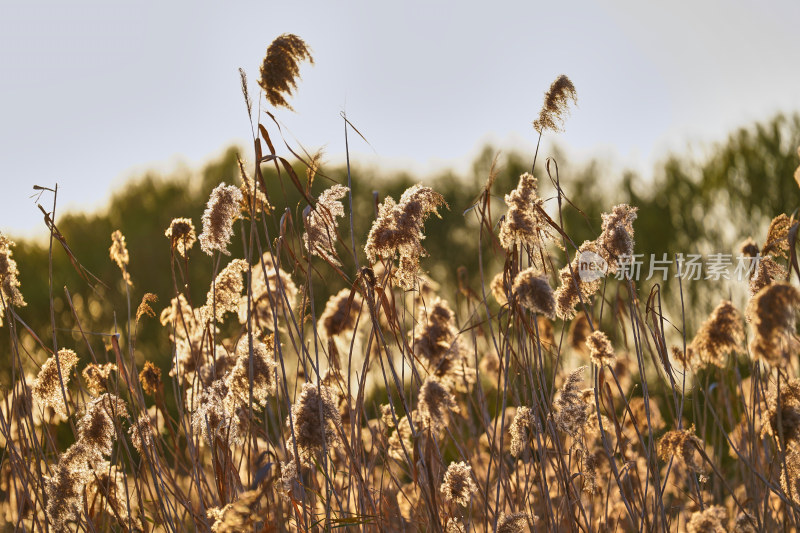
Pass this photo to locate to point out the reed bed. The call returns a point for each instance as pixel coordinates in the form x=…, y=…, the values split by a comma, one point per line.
x=539, y=399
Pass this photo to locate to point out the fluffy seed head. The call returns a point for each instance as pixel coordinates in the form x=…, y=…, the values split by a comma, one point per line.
x=262, y=379
x=777, y=243
x=454, y=525
x=142, y=434
x=499, y=288
x=150, y=378
x=9, y=284
x=720, y=335
x=280, y=69
x=783, y=418
x=745, y=523
x=438, y=345
x=749, y=248
x=96, y=428
x=772, y=313
x=600, y=350
x=458, y=485
x=315, y=417
x=290, y=480
x=556, y=105
x=226, y=292
x=572, y=411
x=322, y=226
x=119, y=254
x=47, y=387
x=512, y=523
x=272, y=291
x=221, y=210
x=683, y=444
x=106, y=491
x=340, y=313
x=524, y=223
x=435, y=404
x=96, y=377
x=767, y=271
x=181, y=235
x=792, y=488
x=534, y=292
x=65, y=485
x=398, y=231
x=573, y=289
x=521, y=430
x=616, y=238
x=236, y=516
x=712, y=519
x=211, y=416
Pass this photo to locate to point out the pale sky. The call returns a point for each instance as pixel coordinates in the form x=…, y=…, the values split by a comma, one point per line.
x=92, y=93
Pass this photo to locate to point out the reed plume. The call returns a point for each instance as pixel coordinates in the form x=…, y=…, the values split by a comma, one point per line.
x=273, y=294
x=96, y=377
x=436, y=404
x=225, y=294
x=512, y=523
x=119, y=254
x=533, y=292
x=682, y=444
x=572, y=411
x=340, y=314
x=719, y=336
x=521, y=430
x=150, y=378
x=321, y=224
x=221, y=210
x=280, y=68
x=398, y=231
x=772, y=313
x=47, y=389
x=458, y=486
x=556, y=105
x=181, y=235
x=713, y=519
x=525, y=223
x=313, y=432
x=9, y=284
x=600, y=350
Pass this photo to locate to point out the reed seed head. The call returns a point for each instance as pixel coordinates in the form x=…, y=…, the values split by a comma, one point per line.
x=601, y=351
x=458, y=486
x=119, y=254
x=712, y=519
x=315, y=417
x=556, y=105
x=340, y=314
x=150, y=378
x=181, y=235
x=772, y=312
x=221, y=210
x=322, y=225
x=719, y=336
x=398, y=231
x=534, y=292
x=280, y=69
x=9, y=284
x=47, y=387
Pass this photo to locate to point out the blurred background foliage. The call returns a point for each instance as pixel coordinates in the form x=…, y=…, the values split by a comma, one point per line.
x=697, y=204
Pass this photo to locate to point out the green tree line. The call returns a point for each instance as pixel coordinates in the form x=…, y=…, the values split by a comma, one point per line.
x=688, y=203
